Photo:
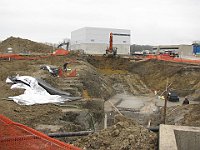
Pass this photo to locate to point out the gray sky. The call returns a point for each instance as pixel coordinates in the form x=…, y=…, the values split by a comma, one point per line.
x=153, y=22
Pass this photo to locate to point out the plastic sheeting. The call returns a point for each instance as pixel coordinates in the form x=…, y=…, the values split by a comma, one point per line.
x=34, y=93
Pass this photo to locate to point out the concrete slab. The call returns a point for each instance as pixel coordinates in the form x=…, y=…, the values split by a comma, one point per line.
x=127, y=101
x=138, y=102
x=179, y=137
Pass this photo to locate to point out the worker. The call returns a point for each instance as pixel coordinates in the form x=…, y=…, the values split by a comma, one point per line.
x=186, y=101
x=65, y=66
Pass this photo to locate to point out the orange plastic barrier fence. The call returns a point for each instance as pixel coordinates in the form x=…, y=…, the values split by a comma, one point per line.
x=19, y=57
x=15, y=136
x=172, y=59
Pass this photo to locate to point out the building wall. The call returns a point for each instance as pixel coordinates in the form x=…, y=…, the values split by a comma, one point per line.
x=101, y=48
x=186, y=50
x=183, y=50
x=78, y=36
x=96, y=40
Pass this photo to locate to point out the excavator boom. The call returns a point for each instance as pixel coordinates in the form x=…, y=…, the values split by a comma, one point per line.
x=113, y=50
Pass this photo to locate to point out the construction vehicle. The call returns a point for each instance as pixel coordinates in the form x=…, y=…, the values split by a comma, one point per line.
x=64, y=43
x=170, y=53
x=112, y=51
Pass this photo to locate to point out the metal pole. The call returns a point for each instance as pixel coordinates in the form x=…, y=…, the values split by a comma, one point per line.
x=105, y=121
x=165, y=106
x=165, y=109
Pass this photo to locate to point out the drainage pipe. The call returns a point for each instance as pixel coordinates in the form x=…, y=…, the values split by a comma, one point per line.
x=70, y=134
x=154, y=129
x=84, y=133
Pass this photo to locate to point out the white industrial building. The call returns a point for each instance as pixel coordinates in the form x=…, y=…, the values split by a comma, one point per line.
x=96, y=40
x=182, y=50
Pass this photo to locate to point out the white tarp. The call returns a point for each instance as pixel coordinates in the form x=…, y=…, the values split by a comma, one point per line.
x=34, y=93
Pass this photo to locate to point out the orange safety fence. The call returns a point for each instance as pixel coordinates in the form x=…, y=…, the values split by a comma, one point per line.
x=29, y=57
x=20, y=57
x=172, y=59
x=16, y=136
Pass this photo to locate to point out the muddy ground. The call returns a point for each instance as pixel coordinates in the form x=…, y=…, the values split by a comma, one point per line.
x=98, y=79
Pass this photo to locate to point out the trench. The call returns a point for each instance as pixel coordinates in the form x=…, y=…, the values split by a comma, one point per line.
x=135, y=85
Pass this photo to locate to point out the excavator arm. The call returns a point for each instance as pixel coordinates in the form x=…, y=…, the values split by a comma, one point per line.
x=113, y=50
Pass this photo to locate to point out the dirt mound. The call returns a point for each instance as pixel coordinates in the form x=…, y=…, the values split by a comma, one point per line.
x=125, y=134
x=20, y=45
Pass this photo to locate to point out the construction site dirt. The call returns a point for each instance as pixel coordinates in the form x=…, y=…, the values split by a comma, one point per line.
x=106, y=85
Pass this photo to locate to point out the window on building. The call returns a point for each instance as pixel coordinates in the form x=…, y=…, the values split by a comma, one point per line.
x=92, y=40
x=124, y=41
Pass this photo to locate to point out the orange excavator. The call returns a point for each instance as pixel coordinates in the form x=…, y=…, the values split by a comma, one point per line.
x=112, y=51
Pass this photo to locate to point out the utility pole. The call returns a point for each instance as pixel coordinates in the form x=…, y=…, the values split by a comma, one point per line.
x=165, y=106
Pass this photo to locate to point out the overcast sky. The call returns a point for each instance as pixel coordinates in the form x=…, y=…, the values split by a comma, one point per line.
x=154, y=22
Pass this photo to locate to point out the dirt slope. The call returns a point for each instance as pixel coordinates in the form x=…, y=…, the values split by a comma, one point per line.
x=20, y=45
x=187, y=115
x=184, y=78
x=48, y=116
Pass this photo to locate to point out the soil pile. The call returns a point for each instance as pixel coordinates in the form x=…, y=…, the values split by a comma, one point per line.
x=20, y=45
x=126, y=134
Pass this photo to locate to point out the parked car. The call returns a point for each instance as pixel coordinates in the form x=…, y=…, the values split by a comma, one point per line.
x=172, y=96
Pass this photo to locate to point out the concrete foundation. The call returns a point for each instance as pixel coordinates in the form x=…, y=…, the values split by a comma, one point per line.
x=179, y=137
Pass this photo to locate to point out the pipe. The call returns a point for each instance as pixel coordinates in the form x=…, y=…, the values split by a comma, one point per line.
x=84, y=133
x=69, y=134
x=154, y=129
